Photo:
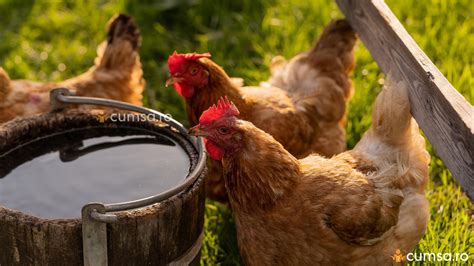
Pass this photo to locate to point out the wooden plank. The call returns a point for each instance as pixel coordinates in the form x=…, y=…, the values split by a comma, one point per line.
x=444, y=115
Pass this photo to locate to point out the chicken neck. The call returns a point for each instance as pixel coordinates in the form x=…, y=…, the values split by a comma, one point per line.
x=261, y=173
x=219, y=85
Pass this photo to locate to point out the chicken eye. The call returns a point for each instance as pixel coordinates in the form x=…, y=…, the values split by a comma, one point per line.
x=194, y=70
x=223, y=130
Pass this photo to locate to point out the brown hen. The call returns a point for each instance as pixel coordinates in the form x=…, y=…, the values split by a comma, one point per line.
x=356, y=208
x=116, y=75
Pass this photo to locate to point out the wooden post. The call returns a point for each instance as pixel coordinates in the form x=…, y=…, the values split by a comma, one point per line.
x=443, y=114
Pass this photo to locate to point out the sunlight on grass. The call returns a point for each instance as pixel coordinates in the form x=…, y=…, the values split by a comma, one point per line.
x=243, y=36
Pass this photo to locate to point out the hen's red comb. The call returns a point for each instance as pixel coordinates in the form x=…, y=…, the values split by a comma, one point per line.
x=176, y=60
x=224, y=108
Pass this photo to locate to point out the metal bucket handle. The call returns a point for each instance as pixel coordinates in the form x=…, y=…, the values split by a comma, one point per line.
x=94, y=215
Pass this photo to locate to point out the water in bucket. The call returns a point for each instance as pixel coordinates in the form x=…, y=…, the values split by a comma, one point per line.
x=75, y=168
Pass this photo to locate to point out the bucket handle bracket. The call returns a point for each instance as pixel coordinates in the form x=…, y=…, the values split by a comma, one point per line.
x=94, y=234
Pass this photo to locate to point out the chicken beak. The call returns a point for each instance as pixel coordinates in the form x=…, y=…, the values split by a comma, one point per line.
x=196, y=131
x=172, y=80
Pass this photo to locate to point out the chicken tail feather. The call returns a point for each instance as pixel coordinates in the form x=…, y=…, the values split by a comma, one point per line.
x=123, y=41
x=118, y=61
x=123, y=27
x=394, y=142
x=391, y=118
x=336, y=43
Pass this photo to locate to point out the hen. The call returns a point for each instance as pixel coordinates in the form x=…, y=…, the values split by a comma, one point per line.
x=116, y=74
x=302, y=105
x=356, y=208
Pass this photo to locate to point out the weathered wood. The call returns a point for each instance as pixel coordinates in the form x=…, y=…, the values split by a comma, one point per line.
x=443, y=114
x=154, y=235
x=26, y=240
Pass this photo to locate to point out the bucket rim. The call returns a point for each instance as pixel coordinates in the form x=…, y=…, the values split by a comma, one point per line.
x=197, y=167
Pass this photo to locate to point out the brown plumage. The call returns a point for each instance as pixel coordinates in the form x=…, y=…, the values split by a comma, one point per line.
x=356, y=208
x=302, y=105
x=116, y=74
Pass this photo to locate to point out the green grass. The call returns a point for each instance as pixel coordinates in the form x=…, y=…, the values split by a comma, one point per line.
x=37, y=36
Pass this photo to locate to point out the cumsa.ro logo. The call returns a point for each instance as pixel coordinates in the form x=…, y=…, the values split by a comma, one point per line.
x=101, y=117
x=398, y=256
x=128, y=117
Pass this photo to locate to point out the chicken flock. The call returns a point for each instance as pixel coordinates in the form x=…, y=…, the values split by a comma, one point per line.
x=302, y=104
x=278, y=150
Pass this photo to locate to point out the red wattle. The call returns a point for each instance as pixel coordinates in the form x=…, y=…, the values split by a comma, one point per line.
x=214, y=151
x=184, y=90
